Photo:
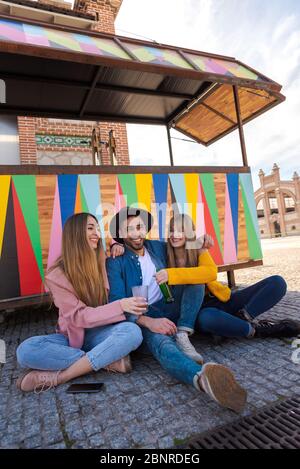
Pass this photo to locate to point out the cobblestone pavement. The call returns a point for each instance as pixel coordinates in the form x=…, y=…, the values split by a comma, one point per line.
x=146, y=408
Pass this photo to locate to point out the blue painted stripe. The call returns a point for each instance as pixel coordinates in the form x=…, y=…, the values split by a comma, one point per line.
x=160, y=184
x=67, y=185
x=90, y=185
x=178, y=186
x=233, y=190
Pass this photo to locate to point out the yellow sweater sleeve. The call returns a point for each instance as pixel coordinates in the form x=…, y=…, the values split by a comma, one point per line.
x=204, y=273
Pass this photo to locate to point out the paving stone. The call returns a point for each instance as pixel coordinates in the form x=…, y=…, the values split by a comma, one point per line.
x=146, y=408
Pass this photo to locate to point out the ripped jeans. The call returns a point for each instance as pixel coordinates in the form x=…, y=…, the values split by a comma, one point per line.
x=102, y=346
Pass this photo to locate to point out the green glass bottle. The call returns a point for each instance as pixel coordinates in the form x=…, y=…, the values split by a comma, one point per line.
x=166, y=291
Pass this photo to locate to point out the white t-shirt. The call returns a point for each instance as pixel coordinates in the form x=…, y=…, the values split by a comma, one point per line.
x=148, y=272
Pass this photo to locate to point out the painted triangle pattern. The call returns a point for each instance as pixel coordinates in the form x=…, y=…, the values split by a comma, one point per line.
x=29, y=274
x=222, y=206
x=210, y=229
x=233, y=193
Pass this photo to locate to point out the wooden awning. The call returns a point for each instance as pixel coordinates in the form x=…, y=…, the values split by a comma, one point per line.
x=70, y=73
x=214, y=115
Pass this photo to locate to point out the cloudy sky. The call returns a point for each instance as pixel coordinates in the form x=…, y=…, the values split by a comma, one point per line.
x=263, y=34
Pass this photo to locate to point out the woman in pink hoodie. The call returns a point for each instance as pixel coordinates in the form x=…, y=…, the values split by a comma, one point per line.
x=91, y=334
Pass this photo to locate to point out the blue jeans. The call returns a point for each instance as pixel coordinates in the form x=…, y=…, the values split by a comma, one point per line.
x=189, y=299
x=216, y=317
x=184, y=313
x=102, y=346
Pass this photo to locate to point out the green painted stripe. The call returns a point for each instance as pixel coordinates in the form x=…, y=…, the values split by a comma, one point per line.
x=84, y=204
x=208, y=185
x=253, y=241
x=128, y=186
x=26, y=191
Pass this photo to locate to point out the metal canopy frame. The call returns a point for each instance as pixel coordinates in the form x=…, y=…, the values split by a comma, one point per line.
x=208, y=82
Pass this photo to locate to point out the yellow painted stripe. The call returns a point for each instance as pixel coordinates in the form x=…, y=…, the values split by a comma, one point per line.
x=144, y=191
x=192, y=186
x=78, y=205
x=4, y=191
x=143, y=188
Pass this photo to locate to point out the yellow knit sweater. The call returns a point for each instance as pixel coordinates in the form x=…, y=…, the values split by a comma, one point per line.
x=205, y=273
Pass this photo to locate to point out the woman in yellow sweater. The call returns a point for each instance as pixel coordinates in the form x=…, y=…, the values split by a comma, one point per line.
x=210, y=306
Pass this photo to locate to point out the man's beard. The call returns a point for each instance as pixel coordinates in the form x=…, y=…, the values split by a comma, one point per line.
x=133, y=247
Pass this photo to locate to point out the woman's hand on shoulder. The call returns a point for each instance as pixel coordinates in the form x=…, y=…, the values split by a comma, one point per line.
x=208, y=242
x=116, y=250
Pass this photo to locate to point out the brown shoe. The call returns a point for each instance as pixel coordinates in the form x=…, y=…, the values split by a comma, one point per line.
x=37, y=381
x=120, y=366
x=219, y=383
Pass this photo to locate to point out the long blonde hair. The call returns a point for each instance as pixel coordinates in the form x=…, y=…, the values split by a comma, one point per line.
x=183, y=222
x=82, y=265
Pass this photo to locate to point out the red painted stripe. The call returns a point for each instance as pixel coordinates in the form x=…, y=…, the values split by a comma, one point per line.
x=209, y=226
x=29, y=274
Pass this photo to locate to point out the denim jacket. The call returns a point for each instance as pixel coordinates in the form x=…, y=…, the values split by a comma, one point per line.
x=124, y=272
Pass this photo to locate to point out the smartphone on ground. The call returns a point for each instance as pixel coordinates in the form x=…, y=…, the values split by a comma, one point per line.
x=84, y=387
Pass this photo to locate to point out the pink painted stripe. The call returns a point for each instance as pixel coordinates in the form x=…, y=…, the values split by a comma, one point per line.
x=229, y=241
x=200, y=225
x=213, y=66
x=56, y=231
x=13, y=34
x=90, y=48
x=119, y=198
x=37, y=40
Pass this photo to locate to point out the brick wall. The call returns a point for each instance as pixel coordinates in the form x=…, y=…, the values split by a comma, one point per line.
x=27, y=143
x=78, y=128
x=105, y=11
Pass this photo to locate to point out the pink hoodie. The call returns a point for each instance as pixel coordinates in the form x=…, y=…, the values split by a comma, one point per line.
x=74, y=315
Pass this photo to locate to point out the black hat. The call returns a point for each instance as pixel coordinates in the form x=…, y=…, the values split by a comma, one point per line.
x=124, y=214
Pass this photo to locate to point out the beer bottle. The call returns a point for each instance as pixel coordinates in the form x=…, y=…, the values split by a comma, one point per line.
x=166, y=291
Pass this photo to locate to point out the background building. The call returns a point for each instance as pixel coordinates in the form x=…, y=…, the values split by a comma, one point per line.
x=30, y=140
x=278, y=204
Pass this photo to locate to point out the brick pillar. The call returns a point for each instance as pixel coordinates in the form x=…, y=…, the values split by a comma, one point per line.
x=27, y=143
x=296, y=180
x=105, y=12
x=281, y=210
x=267, y=213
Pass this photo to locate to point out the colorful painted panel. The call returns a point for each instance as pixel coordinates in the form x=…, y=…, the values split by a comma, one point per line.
x=222, y=67
x=15, y=31
x=46, y=37
x=154, y=55
x=33, y=210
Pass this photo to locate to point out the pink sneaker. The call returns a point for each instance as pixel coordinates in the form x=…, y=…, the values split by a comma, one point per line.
x=37, y=381
x=120, y=366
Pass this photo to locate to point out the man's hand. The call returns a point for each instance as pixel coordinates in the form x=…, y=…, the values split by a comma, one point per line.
x=159, y=325
x=116, y=250
x=135, y=305
x=162, y=276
